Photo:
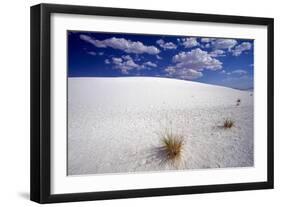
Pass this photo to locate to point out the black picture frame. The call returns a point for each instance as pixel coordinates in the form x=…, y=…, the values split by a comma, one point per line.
x=41, y=98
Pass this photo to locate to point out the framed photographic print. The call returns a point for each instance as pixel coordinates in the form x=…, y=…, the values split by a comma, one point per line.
x=133, y=103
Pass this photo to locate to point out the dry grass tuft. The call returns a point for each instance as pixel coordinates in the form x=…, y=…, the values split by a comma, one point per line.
x=173, y=146
x=228, y=123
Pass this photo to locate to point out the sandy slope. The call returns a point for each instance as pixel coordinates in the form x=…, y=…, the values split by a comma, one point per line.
x=114, y=124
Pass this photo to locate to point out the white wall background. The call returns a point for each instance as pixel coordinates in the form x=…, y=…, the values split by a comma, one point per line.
x=14, y=102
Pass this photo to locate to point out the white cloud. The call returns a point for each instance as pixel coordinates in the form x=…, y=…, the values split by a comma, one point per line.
x=190, y=42
x=127, y=57
x=126, y=63
x=224, y=43
x=189, y=65
x=166, y=45
x=125, y=45
x=235, y=73
x=239, y=72
x=239, y=49
x=150, y=64
x=217, y=53
x=170, y=70
x=183, y=73
x=207, y=45
x=197, y=59
x=106, y=61
x=94, y=53
x=117, y=61
x=207, y=39
x=159, y=57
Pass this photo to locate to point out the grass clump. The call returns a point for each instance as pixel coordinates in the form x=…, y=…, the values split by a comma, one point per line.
x=173, y=146
x=228, y=123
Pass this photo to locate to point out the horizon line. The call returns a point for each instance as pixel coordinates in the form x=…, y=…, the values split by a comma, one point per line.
x=243, y=89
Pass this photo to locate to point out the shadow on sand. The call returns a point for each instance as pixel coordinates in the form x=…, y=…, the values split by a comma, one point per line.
x=158, y=155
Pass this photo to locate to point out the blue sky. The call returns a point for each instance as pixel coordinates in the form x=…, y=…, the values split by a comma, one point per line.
x=219, y=61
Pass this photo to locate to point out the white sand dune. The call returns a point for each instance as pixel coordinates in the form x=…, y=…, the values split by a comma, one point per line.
x=114, y=124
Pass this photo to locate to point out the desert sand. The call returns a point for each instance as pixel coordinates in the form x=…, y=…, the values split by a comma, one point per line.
x=115, y=124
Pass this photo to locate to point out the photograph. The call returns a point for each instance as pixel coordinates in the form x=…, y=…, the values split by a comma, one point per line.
x=155, y=103
x=133, y=103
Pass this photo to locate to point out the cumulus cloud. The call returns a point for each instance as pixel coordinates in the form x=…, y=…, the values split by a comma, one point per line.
x=190, y=42
x=166, y=45
x=127, y=57
x=125, y=45
x=217, y=53
x=239, y=49
x=229, y=44
x=183, y=73
x=224, y=43
x=126, y=63
x=197, y=59
x=189, y=65
x=150, y=64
